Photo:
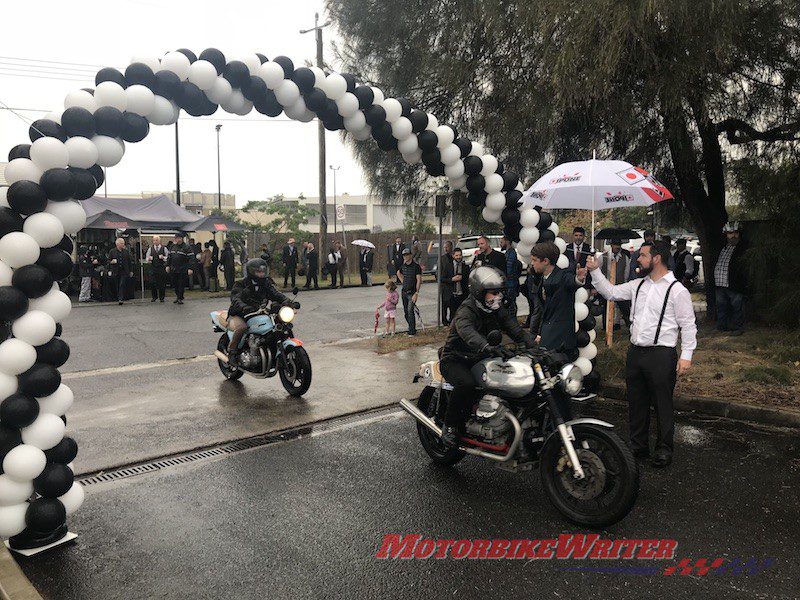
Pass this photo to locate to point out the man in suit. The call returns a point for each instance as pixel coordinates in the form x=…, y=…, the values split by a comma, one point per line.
x=157, y=257
x=181, y=265
x=577, y=250
x=616, y=261
x=227, y=261
x=289, y=258
x=120, y=262
x=455, y=287
x=557, y=294
x=366, y=258
x=312, y=258
x=512, y=273
x=395, y=257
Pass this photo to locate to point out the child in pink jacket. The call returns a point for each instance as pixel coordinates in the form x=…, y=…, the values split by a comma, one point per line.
x=389, y=307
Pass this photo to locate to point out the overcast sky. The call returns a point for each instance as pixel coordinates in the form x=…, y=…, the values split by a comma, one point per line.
x=261, y=157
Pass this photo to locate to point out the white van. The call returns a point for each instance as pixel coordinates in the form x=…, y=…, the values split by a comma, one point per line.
x=469, y=246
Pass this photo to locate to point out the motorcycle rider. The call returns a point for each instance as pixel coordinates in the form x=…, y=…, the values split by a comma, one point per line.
x=467, y=344
x=247, y=296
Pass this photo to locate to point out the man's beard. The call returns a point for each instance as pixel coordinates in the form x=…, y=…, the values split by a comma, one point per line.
x=645, y=271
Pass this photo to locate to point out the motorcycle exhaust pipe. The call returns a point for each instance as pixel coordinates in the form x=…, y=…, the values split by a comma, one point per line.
x=221, y=356
x=411, y=409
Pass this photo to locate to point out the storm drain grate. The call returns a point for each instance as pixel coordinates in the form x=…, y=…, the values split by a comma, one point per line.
x=228, y=448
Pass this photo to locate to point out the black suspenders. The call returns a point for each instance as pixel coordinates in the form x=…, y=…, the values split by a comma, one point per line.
x=663, y=308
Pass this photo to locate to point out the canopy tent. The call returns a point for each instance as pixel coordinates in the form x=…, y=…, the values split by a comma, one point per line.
x=213, y=223
x=108, y=219
x=157, y=212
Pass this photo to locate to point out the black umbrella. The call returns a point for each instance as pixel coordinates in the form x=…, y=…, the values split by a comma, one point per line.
x=617, y=233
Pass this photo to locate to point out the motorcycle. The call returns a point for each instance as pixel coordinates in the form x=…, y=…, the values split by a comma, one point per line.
x=523, y=419
x=268, y=347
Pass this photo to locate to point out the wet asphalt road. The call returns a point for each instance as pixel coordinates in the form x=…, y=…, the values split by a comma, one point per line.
x=304, y=519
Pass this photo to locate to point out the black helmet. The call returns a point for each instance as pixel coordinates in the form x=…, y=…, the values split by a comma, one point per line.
x=485, y=279
x=256, y=268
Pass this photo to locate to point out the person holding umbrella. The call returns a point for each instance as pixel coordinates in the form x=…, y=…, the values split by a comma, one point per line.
x=366, y=260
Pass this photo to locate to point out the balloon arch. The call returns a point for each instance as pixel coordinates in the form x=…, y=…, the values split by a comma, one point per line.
x=64, y=163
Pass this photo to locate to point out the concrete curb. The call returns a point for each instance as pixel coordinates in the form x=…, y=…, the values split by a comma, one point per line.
x=722, y=408
x=13, y=583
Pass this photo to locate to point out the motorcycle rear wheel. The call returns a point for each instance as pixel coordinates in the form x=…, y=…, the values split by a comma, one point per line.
x=230, y=373
x=611, y=486
x=296, y=373
x=432, y=444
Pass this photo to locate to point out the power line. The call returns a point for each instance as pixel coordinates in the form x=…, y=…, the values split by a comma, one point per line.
x=49, y=61
x=36, y=68
x=18, y=69
x=46, y=77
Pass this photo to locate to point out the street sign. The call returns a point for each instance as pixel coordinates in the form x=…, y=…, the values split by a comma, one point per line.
x=340, y=212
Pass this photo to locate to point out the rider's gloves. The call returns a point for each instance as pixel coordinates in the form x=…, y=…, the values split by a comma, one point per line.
x=295, y=305
x=501, y=352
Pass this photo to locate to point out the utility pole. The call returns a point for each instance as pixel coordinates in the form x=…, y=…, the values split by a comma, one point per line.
x=323, y=209
x=219, y=182
x=177, y=167
x=335, y=218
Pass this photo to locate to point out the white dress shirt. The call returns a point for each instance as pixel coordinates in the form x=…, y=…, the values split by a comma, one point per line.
x=646, y=311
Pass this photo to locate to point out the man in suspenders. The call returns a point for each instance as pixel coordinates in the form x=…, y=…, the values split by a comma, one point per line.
x=661, y=308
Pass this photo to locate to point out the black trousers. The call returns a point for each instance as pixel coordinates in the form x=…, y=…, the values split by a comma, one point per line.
x=122, y=285
x=363, y=276
x=457, y=373
x=179, y=284
x=408, y=310
x=290, y=272
x=159, y=284
x=311, y=275
x=650, y=375
x=230, y=276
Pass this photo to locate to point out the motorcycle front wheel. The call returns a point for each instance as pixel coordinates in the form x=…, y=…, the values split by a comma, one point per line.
x=295, y=373
x=609, y=490
x=230, y=373
x=430, y=442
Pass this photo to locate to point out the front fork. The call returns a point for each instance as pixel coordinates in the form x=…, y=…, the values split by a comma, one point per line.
x=564, y=430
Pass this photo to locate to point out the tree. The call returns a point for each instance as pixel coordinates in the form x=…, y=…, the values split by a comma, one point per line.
x=674, y=86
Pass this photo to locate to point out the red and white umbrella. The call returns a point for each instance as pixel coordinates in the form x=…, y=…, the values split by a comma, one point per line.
x=595, y=185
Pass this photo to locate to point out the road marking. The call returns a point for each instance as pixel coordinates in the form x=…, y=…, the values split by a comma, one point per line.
x=138, y=367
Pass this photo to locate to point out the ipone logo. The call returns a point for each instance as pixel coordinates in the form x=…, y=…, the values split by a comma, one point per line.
x=618, y=197
x=566, y=178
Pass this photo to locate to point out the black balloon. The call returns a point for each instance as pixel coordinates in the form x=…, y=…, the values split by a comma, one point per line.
x=110, y=74
x=33, y=280
x=26, y=197
x=365, y=96
x=472, y=165
x=85, y=185
x=65, y=244
x=375, y=115
x=78, y=121
x=512, y=198
x=13, y=302
x=545, y=220
x=10, y=220
x=190, y=97
x=582, y=337
x=54, y=481
x=596, y=309
x=40, y=380
x=476, y=183
x=167, y=85
x=140, y=74
x=262, y=57
x=427, y=140
x=188, y=54
x=18, y=410
x=98, y=174
x=406, y=107
x=305, y=79
x=510, y=181
x=9, y=438
x=476, y=199
x=513, y=231
x=64, y=452
x=46, y=128
x=237, y=73
x=59, y=329
x=501, y=168
x=350, y=79
x=269, y=105
x=510, y=216
x=88, y=90
x=55, y=352
x=108, y=121
x=329, y=111
x=419, y=120
x=588, y=323
x=547, y=236
x=388, y=144
x=333, y=123
x=57, y=184
x=254, y=89
x=215, y=57
x=58, y=262
x=134, y=127
x=383, y=132
x=435, y=169
x=19, y=151
x=286, y=64
x=45, y=515
x=464, y=145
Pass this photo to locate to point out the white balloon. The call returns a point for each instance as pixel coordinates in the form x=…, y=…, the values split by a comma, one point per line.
x=378, y=96
x=45, y=432
x=220, y=91
x=307, y=117
x=73, y=499
x=151, y=61
x=477, y=149
x=562, y=245
x=364, y=134
x=8, y=386
x=592, y=335
x=203, y=74
x=16, y=356
x=54, y=116
x=554, y=228
x=529, y=218
x=55, y=303
x=81, y=151
x=176, y=62
x=581, y=295
x=459, y=182
x=109, y=93
x=140, y=100
x=287, y=92
x=445, y=136
x=22, y=169
x=454, y=170
x=401, y=128
x=413, y=157
x=80, y=99
x=450, y=155
x=45, y=228
x=433, y=123
x=520, y=187
x=528, y=235
x=12, y=519
x=272, y=74
x=13, y=492
x=588, y=352
x=562, y=262
x=296, y=110
x=496, y=202
x=355, y=123
x=109, y=150
x=251, y=61
x=490, y=164
x=335, y=86
x=163, y=111
x=584, y=365
x=581, y=310
x=319, y=76
x=490, y=215
x=49, y=153
x=393, y=108
x=34, y=327
x=58, y=402
x=25, y=462
x=493, y=183
x=18, y=249
x=70, y=213
x=408, y=145
x=347, y=105
x=244, y=108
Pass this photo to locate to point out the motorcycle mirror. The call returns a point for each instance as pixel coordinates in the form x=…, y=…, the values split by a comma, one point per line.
x=495, y=338
x=295, y=291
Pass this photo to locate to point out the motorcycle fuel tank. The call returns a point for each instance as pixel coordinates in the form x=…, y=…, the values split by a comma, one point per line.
x=512, y=378
x=260, y=324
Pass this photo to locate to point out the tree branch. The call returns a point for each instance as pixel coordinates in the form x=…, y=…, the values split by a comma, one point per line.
x=740, y=132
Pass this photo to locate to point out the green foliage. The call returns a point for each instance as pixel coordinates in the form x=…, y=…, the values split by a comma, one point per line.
x=414, y=221
x=290, y=216
x=767, y=375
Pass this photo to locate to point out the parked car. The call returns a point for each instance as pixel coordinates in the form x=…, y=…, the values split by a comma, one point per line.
x=469, y=246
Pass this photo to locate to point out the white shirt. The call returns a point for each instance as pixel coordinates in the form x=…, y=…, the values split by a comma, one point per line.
x=646, y=311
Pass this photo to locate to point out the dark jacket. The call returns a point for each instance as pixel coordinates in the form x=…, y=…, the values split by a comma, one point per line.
x=289, y=256
x=531, y=290
x=447, y=274
x=124, y=264
x=737, y=271
x=181, y=258
x=583, y=250
x=85, y=266
x=495, y=259
x=557, y=294
x=157, y=262
x=366, y=260
x=471, y=324
x=248, y=295
x=227, y=259
x=396, y=254
x=266, y=256
x=312, y=257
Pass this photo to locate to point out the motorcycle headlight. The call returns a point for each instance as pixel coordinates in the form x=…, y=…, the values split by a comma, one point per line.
x=286, y=314
x=571, y=380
